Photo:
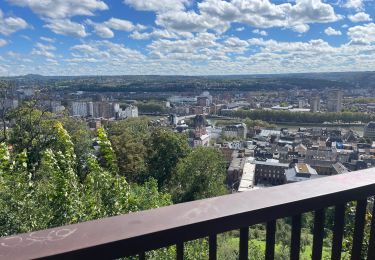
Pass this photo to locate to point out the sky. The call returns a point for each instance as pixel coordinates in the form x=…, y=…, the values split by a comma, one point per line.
x=185, y=37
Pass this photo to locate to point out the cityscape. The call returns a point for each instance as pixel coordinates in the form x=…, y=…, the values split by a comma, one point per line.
x=187, y=129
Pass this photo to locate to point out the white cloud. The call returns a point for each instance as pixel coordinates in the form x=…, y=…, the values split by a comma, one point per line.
x=355, y=4
x=219, y=14
x=158, y=33
x=360, y=17
x=66, y=27
x=362, y=34
x=85, y=48
x=301, y=28
x=332, y=32
x=104, y=29
x=121, y=25
x=44, y=50
x=47, y=39
x=3, y=42
x=11, y=24
x=105, y=52
x=59, y=9
x=240, y=29
x=191, y=22
x=260, y=32
x=157, y=5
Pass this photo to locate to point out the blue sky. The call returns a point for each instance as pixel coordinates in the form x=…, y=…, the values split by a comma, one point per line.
x=185, y=37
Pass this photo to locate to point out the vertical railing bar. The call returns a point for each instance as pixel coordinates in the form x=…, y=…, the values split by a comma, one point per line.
x=270, y=240
x=212, y=244
x=142, y=256
x=371, y=247
x=318, y=234
x=338, y=232
x=359, y=226
x=296, y=237
x=180, y=251
x=244, y=243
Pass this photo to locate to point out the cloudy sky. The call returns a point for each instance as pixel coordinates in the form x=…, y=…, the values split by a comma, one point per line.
x=107, y=37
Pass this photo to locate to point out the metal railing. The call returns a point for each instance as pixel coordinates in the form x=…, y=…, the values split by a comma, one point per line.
x=137, y=233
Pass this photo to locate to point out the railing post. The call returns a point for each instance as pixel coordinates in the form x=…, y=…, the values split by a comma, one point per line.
x=371, y=247
x=212, y=244
x=296, y=237
x=270, y=240
x=338, y=232
x=244, y=243
x=360, y=218
x=180, y=251
x=318, y=234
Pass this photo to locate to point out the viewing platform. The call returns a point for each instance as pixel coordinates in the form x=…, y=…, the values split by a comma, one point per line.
x=136, y=233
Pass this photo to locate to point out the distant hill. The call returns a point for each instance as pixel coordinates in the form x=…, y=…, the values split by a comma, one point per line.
x=158, y=83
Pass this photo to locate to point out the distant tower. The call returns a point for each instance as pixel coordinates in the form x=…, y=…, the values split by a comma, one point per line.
x=334, y=100
x=315, y=103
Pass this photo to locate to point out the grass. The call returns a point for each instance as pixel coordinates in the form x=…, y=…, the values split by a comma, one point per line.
x=228, y=250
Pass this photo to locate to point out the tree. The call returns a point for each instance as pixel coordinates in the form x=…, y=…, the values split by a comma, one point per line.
x=129, y=139
x=32, y=131
x=5, y=93
x=56, y=197
x=166, y=148
x=107, y=156
x=82, y=141
x=200, y=175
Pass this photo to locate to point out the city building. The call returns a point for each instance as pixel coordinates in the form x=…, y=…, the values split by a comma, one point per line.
x=301, y=172
x=94, y=109
x=236, y=131
x=369, y=131
x=315, y=104
x=203, y=101
x=334, y=100
x=79, y=108
x=129, y=112
x=270, y=173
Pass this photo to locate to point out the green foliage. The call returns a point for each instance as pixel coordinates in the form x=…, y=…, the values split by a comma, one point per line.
x=258, y=123
x=33, y=132
x=55, y=196
x=296, y=117
x=362, y=100
x=129, y=139
x=200, y=175
x=107, y=156
x=284, y=104
x=81, y=137
x=51, y=174
x=151, y=107
x=166, y=148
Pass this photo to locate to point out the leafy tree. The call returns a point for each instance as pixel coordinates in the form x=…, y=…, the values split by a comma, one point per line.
x=129, y=140
x=5, y=93
x=200, y=175
x=32, y=131
x=82, y=140
x=107, y=156
x=166, y=148
x=56, y=197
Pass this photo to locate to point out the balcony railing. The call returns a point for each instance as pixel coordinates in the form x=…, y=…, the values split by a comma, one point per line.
x=137, y=233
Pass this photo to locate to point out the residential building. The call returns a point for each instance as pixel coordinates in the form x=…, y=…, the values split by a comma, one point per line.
x=270, y=173
x=334, y=101
x=236, y=131
x=369, y=131
x=315, y=104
